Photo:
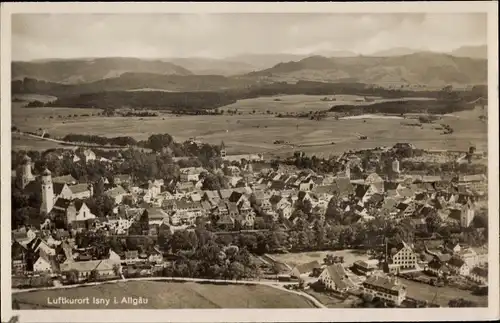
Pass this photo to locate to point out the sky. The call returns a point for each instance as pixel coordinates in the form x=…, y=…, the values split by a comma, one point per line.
x=43, y=36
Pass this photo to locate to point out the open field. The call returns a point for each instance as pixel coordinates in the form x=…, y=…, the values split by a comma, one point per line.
x=169, y=295
x=300, y=103
x=443, y=294
x=297, y=258
x=250, y=133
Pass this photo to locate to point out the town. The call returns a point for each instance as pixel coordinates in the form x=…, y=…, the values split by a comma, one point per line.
x=387, y=222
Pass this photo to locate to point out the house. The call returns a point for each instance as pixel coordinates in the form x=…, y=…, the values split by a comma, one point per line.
x=88, y=155
x=477, y=182
x=74, y=214
x=131, y=257
x=225, y=194
x=188, y=211
x=116, y=193
x=212, y=197
x=364, y=267
x=404, y=257
x=385, y=288
x=233, y=170
x=470, y=257
x=335, y=278
x=225, y=221
x=458, y=266
x=305, y=269
x=191, y=174
x=18, y=257
x=479, y=275
x=184, y=187
x=437, y=268
x=156, y=256
x=43, y=263
x=307, y=185
x=122, y=179
x=105, y=268
x=454, y=248
x=81, y=191
x=156, y=215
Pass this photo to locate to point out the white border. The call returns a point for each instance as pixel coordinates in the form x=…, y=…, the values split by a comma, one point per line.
x=254, y=315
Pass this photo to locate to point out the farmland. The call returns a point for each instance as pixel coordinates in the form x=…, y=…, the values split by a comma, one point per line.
x=168, y=295
x=256, y=133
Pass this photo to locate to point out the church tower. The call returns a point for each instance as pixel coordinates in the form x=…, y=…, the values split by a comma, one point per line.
x=47, y=192
x=23, y=174
x=222, y=149
x=348, y=170
x=395, y=166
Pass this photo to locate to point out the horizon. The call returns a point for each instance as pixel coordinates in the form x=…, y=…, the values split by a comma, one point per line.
x=234, y=58
x=229, y=36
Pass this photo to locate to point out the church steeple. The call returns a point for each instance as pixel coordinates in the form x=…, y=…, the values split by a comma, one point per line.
x=222, y=149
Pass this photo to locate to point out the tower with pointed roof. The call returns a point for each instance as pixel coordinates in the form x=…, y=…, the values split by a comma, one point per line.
x=23, y=174
x=222, y=149
x=47, y=192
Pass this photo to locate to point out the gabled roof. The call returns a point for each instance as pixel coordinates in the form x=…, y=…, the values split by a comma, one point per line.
x=156, y=213
x=308, y=267
x=472, y=178
x=277, y=185
x=361, y=190
x=116, y=191
x=383, y=282
x=225, y=193
x=79, y=188
x=339, y=276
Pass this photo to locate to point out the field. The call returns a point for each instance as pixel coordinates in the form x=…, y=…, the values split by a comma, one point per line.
x=297, y=258
x=163, y=295
x=442, y=294
x=256, y=133
x=299, y=103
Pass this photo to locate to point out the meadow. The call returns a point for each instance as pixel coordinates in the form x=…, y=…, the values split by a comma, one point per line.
x=256, y=133
x=169, y=295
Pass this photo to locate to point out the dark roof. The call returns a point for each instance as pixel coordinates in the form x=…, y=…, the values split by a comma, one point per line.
x=390, y=186
x=456, y=262
x=235, y=196
x=65, y=179
x=58, y=187
x=480, y=271
x=62, y=203
x=277, y=185
x=275, y=199
x=361, y=190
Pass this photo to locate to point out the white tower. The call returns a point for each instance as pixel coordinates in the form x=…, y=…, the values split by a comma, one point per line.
x=47, y=192
x=348, y=170
x=24, y=175
x=395, y=166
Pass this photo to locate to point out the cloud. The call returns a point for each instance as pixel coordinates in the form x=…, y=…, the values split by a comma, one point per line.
x=37, y=36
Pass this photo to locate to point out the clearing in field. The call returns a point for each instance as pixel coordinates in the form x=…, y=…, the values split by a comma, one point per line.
x=169, y=295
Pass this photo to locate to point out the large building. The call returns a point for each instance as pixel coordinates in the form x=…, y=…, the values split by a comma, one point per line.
x=385, y=288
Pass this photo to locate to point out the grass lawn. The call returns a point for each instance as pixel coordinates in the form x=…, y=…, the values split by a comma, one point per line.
x=292, y=259
x=170, y=295
x=444, y=294
x=333, y=302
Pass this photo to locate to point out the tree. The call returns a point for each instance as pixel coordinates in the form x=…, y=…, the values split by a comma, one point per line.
x=433, y=222
x=72, y=276
x=94, y=275
x=236, y=270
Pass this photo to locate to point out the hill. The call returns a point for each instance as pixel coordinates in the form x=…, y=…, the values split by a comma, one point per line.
x=74, y=71
x=479, y=52
x=133, y=81
x=418, y=68
x=396, y=51
x=210, y=66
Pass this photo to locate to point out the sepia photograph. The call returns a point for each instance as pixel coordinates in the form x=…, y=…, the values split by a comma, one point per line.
x=326, y=160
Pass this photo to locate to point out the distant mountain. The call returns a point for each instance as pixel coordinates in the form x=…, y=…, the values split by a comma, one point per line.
x=133, y=82
x=480, y=52
x=417, y=68
x=396, y=51
x=74, y=71
x=262, y=61
x=210, y=66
